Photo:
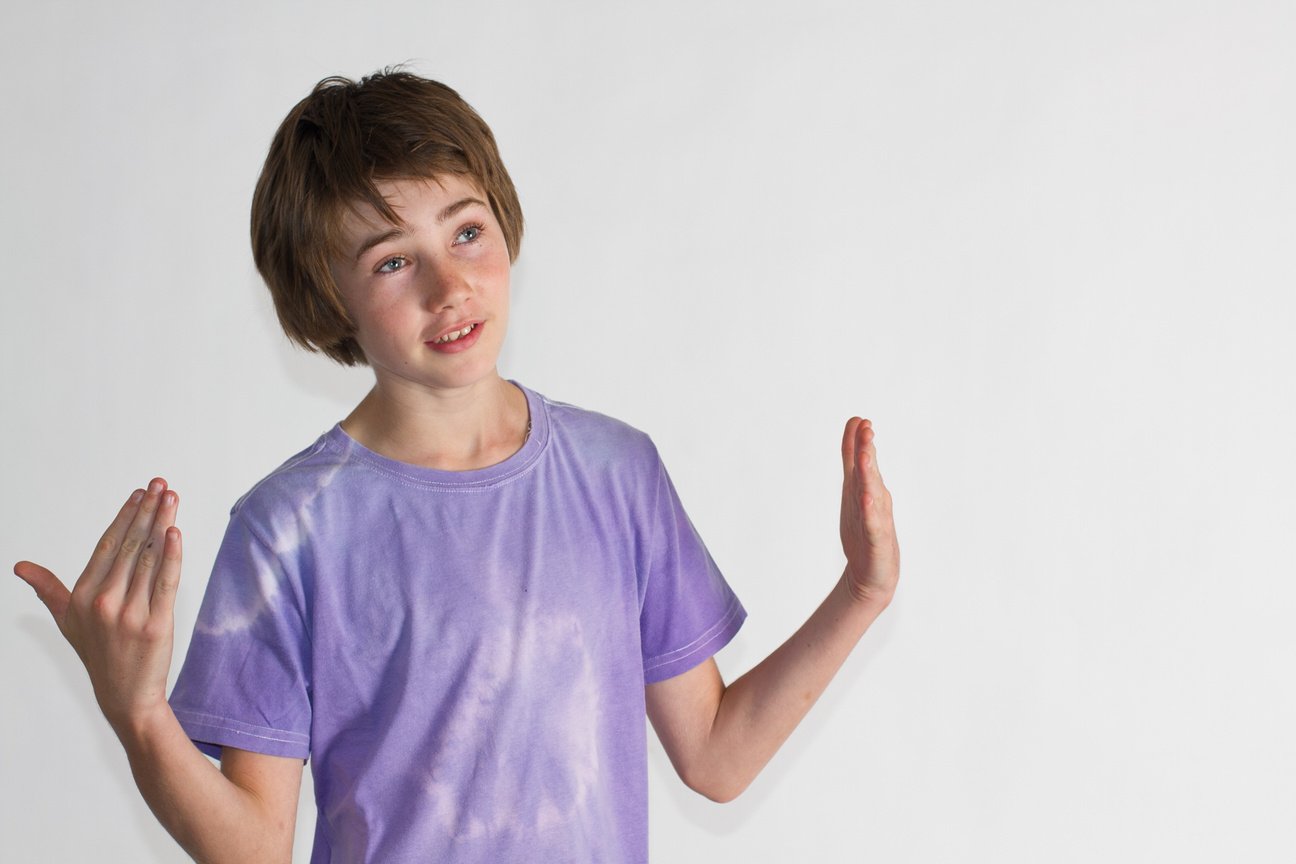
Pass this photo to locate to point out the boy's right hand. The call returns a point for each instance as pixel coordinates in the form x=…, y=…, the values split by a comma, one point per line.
x=119, y=615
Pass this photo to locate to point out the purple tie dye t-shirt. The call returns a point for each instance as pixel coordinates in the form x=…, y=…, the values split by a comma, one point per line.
x=462, y=655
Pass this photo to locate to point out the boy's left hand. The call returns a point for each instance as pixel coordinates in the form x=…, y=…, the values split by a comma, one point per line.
x=867, y=527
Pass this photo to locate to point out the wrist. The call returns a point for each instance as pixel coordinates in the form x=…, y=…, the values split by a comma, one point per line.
x=866, y=596
x=142, y=724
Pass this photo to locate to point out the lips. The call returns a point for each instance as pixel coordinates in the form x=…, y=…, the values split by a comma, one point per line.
x=458, y=333
x=462, y=343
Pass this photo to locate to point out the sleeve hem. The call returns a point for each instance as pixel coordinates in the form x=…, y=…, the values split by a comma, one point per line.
x=211, y=733
x=681, y=660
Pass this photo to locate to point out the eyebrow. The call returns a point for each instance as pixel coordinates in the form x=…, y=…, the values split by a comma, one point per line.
x=456, y=207
x=392, y=233
x=375, y=240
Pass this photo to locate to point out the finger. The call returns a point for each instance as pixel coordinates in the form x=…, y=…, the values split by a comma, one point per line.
x=863, y=435
x=848, y=445
x=870, y=475
x=96, y=569
x=168, y=577
x=48, y=587
x=150, y=556
x=875, y=500
x=137, y=535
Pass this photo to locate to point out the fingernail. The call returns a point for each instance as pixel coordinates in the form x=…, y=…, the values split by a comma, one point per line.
x=155, y=486
x=169, y=499
x=137, y=496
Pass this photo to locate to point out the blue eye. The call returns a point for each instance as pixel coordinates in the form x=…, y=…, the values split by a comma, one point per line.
x=469, y=234
x=391, y=265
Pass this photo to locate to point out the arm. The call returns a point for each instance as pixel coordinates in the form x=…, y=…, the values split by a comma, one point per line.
x=119, y=618
x=719, y=738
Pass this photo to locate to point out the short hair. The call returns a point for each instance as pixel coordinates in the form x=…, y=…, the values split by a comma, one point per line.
x=327, y=158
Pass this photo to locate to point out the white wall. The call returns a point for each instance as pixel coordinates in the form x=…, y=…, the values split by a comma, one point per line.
x=1047, y=247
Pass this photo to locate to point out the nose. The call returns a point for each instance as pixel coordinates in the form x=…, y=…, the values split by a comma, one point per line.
x=445, y=285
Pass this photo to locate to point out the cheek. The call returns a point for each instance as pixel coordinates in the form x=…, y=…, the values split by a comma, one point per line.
x=375, y=320
x=496, y=273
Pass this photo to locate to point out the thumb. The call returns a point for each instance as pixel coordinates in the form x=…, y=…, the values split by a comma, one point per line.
x=51, y=591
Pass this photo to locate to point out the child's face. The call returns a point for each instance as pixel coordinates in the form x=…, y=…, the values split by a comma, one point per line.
x=407, y=287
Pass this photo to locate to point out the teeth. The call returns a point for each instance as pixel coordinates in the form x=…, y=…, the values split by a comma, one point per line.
x=458, y=334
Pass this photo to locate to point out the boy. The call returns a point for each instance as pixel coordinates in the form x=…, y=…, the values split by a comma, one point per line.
x=462, y=600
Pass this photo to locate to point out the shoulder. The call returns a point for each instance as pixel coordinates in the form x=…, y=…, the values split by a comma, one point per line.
x=266, y=551
x=599, y=439
x=290, y=490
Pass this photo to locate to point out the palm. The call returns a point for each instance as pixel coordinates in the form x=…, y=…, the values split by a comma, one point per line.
x=119, y=615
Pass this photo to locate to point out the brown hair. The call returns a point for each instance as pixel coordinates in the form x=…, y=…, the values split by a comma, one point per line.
x=328, y=156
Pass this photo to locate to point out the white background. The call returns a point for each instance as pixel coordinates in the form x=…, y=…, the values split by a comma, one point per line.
x=1047, y=247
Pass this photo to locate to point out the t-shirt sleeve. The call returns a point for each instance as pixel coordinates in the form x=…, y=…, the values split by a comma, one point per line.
x=245, y=680
x=688, y=611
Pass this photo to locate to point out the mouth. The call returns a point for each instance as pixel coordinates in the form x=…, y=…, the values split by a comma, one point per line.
x=455, y=335
x=459, y=339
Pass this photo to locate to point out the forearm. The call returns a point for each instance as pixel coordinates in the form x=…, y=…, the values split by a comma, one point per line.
x=214, y=819
x=719, y=738
x=758, y=711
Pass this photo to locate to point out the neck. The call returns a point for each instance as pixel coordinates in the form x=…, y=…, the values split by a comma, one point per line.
x=453, y=430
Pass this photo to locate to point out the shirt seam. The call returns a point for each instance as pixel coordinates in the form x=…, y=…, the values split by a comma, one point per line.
x=229, y=724
x=658, y=660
